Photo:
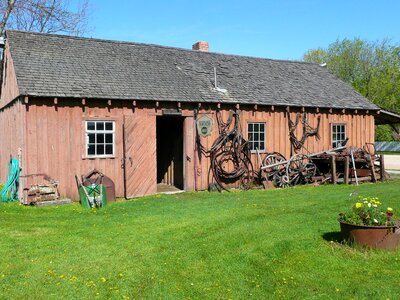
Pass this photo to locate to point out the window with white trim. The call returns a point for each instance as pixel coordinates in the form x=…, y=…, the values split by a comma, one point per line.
x=256, y=136
x=338, y=134
x=100, y=138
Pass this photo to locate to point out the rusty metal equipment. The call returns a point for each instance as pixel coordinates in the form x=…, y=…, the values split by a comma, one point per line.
x=308, y=131
x=229, y=155
x=339, y=164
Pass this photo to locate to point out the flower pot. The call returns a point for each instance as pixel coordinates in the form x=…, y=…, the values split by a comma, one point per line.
x=382, y=237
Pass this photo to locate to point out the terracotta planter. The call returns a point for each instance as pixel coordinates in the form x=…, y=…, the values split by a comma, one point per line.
x=382, y=237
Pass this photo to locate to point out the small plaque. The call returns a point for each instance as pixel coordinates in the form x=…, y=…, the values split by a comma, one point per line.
x=204, y=126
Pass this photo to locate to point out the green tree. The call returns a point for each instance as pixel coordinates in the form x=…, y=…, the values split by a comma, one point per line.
x=372, y=68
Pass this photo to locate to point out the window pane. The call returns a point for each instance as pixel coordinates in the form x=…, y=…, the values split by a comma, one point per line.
x=109, y=138
x=100, y=149
x=90, y=125
x=91, y=150
x=256, y=127
x=109, y=126
x=262, y=126
x=262, y=136
x=251, y=137
x=100, y=138
x=91, y=138
x=256, y=146
x=99, y=125
x=109, y=149
x=250, y=127
x=262, y=147
x=256, y=137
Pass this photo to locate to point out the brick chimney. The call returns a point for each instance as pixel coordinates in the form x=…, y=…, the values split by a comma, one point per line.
x=200, y=46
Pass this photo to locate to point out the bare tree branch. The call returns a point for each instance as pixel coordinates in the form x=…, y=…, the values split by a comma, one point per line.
x=7, y=11
x=50, y=16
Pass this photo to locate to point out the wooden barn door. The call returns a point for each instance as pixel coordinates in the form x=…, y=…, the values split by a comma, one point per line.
x=140, y=162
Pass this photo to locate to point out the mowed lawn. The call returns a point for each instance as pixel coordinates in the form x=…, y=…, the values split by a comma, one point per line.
x=239, y=245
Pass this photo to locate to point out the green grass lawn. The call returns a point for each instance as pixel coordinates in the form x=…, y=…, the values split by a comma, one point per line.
x=238, y=245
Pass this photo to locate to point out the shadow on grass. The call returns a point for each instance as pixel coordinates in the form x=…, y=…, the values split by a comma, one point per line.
x=334, y=236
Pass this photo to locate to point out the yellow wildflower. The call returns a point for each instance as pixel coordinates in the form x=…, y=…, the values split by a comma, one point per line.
x=103, y=279
x=359, y=205
x=389, y=209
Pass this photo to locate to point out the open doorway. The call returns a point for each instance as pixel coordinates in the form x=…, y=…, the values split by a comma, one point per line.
x=169, y=153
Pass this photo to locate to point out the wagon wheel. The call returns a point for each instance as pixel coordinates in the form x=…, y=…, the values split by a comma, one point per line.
x=300, y=169
x=309, y=171
x=281, y=180
x=294, y=167
x=270, y=159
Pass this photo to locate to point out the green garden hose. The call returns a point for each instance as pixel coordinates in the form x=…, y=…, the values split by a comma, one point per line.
x=10, y=190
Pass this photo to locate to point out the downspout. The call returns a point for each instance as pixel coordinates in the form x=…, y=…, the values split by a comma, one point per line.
x=195, y=150
x=2, y=48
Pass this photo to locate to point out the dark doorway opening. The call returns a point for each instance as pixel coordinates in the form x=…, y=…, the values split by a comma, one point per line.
x=170, y=151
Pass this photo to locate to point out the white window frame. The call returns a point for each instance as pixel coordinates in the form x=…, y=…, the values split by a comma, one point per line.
x=336, y=141
x=95, y=132
x=259, y=140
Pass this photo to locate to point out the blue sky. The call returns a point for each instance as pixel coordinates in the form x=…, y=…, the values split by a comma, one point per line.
x=272, y=29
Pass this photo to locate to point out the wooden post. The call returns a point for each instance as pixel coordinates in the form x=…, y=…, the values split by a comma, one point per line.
x=346, y=169
x=372, y=169
x=333, y=169
x=382, y=161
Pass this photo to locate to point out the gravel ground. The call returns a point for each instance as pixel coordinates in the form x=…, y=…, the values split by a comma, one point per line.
x=392, y=162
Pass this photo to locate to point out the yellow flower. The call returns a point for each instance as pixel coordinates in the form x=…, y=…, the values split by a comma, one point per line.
x=103, y=279
x=390, y=209
x=359, y=205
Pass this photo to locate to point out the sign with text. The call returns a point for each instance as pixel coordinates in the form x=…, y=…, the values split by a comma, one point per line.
x=204, y=126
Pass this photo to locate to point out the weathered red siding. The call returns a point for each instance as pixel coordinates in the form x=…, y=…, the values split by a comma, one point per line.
x=55, y=139
x=12, y=133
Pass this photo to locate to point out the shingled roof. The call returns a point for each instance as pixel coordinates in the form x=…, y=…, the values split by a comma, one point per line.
x=63, y=66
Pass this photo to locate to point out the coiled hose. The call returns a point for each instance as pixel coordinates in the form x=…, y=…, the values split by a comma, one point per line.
x=10, y=190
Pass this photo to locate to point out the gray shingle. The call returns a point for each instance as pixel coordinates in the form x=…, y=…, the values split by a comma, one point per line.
x=56, y=66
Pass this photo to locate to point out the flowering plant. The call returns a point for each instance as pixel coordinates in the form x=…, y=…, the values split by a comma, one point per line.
x=369, y=211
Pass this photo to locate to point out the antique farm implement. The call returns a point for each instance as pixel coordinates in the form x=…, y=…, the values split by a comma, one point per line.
x=300, y=168
x=340, y=164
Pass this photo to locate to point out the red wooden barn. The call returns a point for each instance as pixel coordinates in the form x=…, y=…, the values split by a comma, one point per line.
x=71, y=104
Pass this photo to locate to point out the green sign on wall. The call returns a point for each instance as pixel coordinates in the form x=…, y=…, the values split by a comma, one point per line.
x=204, y=126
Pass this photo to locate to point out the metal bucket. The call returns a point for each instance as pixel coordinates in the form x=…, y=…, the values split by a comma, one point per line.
x=381, y=237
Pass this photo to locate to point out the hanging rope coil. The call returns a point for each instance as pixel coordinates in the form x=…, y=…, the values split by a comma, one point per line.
x=229, y=154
